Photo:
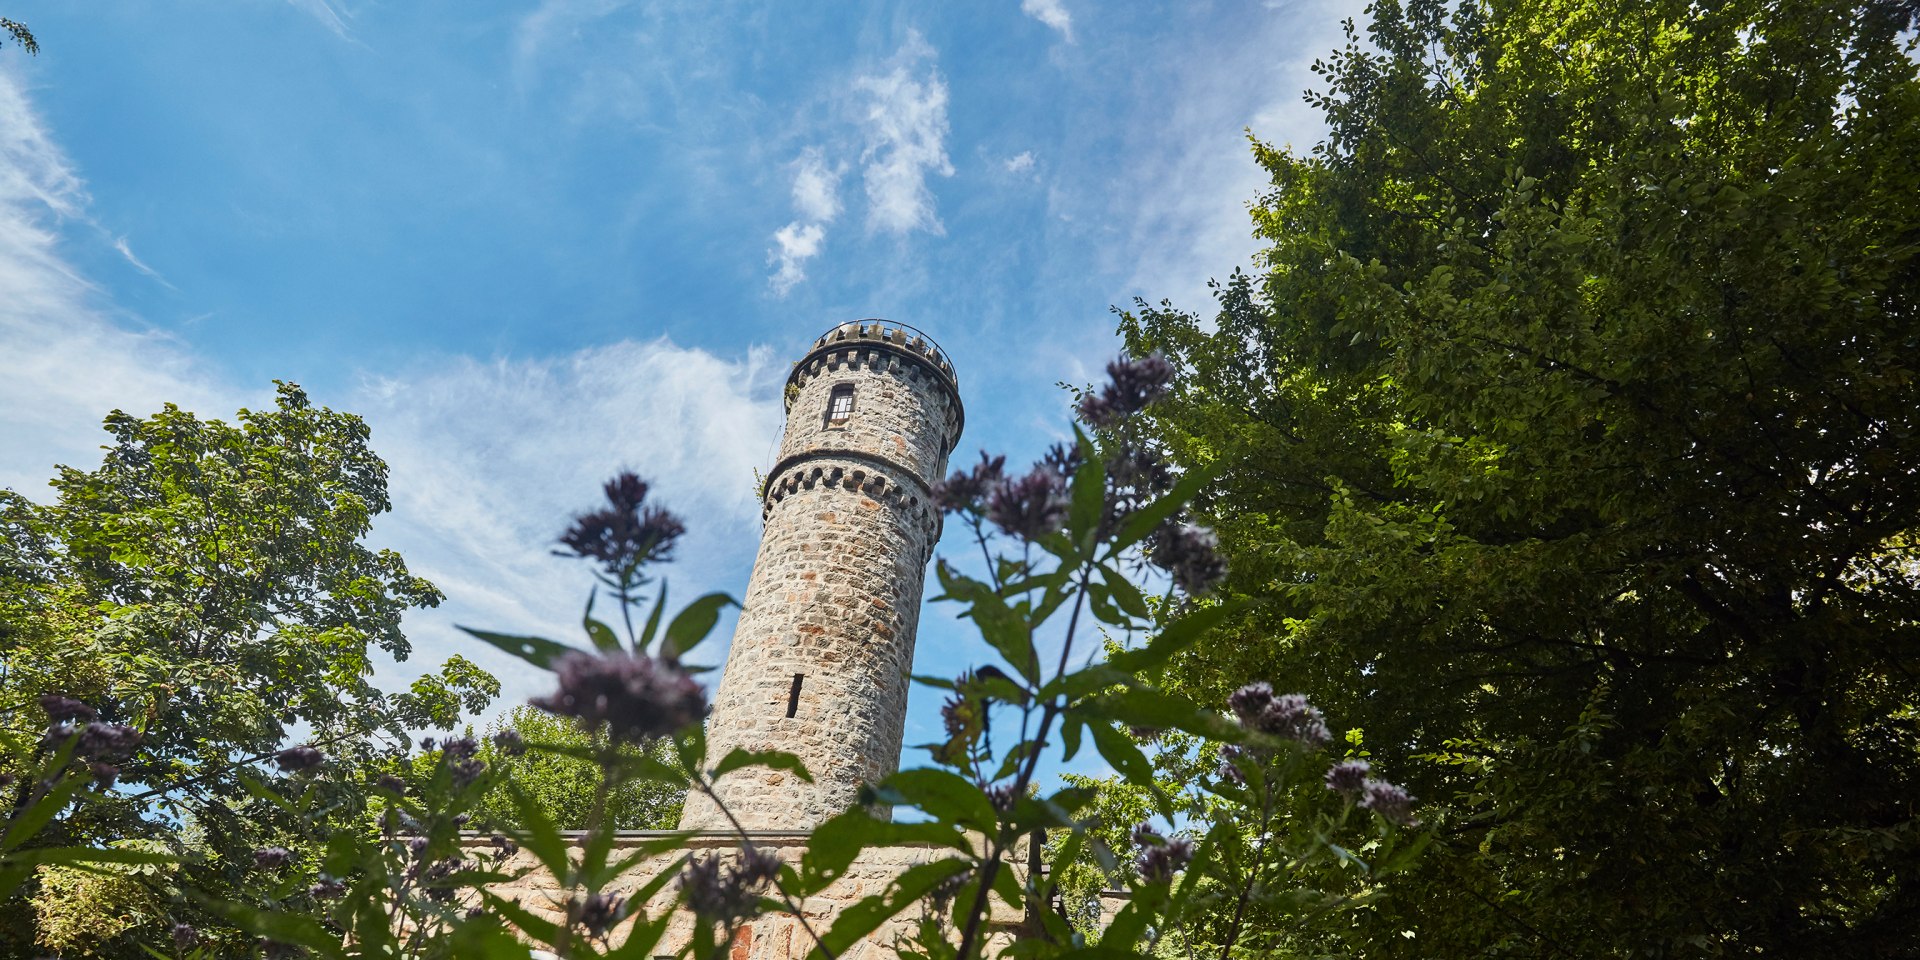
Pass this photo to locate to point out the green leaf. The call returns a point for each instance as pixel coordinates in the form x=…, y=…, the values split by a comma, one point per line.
x=539, y=836
x=1125, y=593
x=645, y=641
x=740, y=757
x=1002, y=628
x=835, y=843
x=1120, y=750
x=944, y=795
x=542, y=931
x=1175, y=637
x=81, y=856
x=1147, y=707
x=862, y=918
x=290, y=928
x=1148, y=518
x=601, y=634
x=538, y=651
x=1088, y=495
x=29, y=822
x=692, y=624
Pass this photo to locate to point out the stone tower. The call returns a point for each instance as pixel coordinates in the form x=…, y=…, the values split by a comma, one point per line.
x=820, y=659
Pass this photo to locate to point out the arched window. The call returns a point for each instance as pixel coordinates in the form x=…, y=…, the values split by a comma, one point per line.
x=840, y=403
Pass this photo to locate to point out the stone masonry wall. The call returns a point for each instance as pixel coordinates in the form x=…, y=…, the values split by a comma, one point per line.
x=772, y=937
x=835, y=592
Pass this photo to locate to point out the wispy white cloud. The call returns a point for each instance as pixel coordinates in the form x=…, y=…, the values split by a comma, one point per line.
x=816, y=198
x=63, y=362
x=488, y=458
x=816, y=187
x=126, y=252
x=329, y=15
x=1193, y=175
x=1052, y=13
x=906, y=129
x=1019, y=163
x=793, y=245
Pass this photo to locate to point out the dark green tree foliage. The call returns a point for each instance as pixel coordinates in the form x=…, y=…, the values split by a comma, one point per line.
x=208, y=586
x=1571, y=424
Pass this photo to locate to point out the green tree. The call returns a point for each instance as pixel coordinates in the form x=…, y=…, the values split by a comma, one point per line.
x=560, y=777
x=1571, y=426
x=208, y=586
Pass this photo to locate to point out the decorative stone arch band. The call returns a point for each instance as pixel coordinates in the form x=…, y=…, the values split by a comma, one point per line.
x=876, y=477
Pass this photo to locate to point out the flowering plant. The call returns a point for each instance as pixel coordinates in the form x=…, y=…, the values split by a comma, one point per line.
x=1249, y=818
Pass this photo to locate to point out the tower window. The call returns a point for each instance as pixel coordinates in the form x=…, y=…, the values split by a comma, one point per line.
x=840, y=403
x=793, y=696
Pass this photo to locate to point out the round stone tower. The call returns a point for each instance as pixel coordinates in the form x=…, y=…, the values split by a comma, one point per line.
x=820, y=659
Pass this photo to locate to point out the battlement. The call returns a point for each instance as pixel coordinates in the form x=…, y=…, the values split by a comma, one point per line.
x=903, y=338
x=881, y=345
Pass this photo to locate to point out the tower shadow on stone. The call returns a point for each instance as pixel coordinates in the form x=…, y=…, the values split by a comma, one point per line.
x=820, y=660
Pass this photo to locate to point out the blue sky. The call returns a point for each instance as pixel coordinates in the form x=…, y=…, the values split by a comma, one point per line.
x=535, y=242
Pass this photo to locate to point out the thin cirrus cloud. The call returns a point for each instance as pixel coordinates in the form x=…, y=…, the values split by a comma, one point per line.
x=487, y=458
x=64, y=364
x=902, y=117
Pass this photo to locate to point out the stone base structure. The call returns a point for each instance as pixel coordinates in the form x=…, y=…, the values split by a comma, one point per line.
x=771, y=937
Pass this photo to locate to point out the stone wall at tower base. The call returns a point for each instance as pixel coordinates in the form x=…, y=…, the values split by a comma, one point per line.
x=773, y=937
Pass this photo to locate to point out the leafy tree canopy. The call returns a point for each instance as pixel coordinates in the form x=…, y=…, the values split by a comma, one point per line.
x=207, y=585
x=560, y=776
x=1571, y=425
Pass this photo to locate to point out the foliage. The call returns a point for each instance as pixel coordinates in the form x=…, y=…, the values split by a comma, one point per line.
x=83, y=912
x=551, y=773
x=19, y=33
x=1271, y=833
x=1569, y=431
x=199, y=594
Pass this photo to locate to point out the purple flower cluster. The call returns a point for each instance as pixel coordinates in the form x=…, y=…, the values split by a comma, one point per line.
x=1348, y=777
x=635, y=698
x=300, y=759
x=1030, y=507
x=268, y=858
x=626, y=533
x=66, y=709
x=1131, y=386
x=964, y=492
x=510, y=742
x=93, y=739
x=1288, y=715
x=1191, y=554
x=1388, y=800
x=1002, y=796
x=718, y=896
x=1229, y=770
x=466, y=767
x=598, y=912
x=1160, y=858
